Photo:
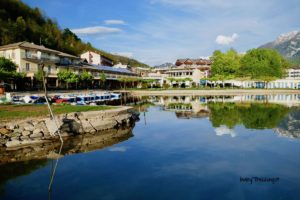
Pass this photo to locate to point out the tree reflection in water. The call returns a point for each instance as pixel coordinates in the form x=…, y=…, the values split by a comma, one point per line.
x=251, y=115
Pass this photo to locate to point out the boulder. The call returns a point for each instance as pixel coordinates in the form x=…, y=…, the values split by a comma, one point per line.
x=26, y=133
x=28, y=126
x=4, y=131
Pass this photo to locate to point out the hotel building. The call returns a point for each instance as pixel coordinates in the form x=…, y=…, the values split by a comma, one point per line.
x=29, y=57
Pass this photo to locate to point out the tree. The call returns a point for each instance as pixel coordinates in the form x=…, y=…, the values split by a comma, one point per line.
x=260, y=63
x=39, y=76
x=103, y=78
x=68, y=77
x=86, y=78
x=225, y=64
x=7, y=65
x=254, y=115
x=20, y=22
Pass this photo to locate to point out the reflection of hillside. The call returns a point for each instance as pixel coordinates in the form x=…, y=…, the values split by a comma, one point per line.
x=77, y=144
x=290, y=125
x=13, y=170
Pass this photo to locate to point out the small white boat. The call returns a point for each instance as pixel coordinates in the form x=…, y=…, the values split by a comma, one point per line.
x=115, y=96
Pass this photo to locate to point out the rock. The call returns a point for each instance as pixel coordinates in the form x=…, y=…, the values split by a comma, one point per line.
x=24, y=137
x=28, y=126
x=37, y=135
x=18, y=131
x=2, y=141
x=36, y=131
x=11, y=135
x=26, y=133
x=12, y=143
x=4, y=131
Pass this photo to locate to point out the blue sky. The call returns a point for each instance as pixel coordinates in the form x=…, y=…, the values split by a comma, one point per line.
x=158, y=31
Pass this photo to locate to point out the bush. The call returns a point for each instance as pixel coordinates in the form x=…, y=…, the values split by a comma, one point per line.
x=166, y=85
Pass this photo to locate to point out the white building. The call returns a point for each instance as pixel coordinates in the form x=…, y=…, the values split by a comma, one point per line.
x=96, y=59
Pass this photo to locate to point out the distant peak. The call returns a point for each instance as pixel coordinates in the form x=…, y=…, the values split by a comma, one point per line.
x=286, y=36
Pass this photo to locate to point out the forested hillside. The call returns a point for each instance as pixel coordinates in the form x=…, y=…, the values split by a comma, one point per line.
x=19, y=22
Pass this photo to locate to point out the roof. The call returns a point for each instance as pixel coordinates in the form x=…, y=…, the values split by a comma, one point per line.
x=193, y=61
x=109, y=69
x=28, y=45
x=67, y=55
x=116, y=70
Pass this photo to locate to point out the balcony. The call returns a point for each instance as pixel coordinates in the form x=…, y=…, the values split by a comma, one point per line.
x=42, y=57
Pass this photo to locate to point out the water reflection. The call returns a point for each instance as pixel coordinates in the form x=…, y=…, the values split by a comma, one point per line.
x=278, y=112
x=183, y=147
x=77, y=144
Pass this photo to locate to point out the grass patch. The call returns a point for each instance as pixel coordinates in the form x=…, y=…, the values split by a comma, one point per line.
x=12, y=112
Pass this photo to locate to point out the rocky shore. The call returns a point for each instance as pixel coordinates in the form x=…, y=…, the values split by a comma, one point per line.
x=36, y=131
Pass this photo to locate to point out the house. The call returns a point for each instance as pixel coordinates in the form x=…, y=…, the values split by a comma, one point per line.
x=96, y=59
x=30, y=57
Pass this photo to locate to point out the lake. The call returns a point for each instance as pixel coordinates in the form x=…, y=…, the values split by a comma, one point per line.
x=181, y=148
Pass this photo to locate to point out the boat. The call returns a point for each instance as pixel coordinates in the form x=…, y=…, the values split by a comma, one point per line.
x=30, y=98
x=85, y=99
x=65, y=99
x=115, y=96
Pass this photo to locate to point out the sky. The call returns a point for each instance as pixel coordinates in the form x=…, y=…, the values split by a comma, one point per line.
x=159, y=31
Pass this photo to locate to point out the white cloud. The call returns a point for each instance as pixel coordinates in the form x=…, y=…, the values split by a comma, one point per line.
x=114, y=21
x=126, y=54
x=226, y=40
x=223, y=130
x=118, y=149
x=96, y=30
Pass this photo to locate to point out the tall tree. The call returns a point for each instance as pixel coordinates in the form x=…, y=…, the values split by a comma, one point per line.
x=68, y=77
x=260, y=63
x=225, y=64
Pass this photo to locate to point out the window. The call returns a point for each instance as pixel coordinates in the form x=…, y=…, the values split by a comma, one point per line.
x=49, y=69
x=13, y=56
x=27, y=66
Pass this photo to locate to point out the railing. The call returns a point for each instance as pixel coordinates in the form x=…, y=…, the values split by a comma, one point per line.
x=43, y=57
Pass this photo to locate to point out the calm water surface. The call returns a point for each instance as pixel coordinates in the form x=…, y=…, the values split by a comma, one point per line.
x=178, y=151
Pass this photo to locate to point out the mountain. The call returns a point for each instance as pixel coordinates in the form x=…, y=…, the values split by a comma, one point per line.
x=288, y=45
x=290, y=125
x=165, y=65
x=19, y=22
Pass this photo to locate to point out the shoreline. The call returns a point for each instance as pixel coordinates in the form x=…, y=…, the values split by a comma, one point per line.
x=216, y=92
x=205, y=92
x=27, y=132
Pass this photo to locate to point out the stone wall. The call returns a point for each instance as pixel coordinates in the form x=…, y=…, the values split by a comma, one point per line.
x=33, y=131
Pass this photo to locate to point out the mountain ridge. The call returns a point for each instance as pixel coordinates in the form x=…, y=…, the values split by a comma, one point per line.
x=20, y=22
x=287, y=44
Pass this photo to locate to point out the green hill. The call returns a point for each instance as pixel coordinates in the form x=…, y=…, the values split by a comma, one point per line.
x=19, y=22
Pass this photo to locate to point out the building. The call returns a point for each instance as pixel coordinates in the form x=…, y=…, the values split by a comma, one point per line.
x=96, y=59
x=293, y=73
x=29, y=58
x=185, y=73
